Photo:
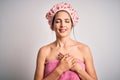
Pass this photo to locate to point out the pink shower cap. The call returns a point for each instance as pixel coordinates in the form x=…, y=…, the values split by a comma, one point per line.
x=62, y=6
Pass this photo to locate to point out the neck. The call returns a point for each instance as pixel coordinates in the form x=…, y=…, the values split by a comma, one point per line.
x=63, y=42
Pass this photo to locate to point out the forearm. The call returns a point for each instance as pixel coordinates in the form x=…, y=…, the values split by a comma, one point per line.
x=85, y=76
x=54, y=75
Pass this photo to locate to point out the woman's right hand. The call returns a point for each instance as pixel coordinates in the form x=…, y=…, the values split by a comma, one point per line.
x=66, y=62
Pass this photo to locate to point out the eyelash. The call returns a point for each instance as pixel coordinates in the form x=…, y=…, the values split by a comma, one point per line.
x=59, y=21
x=67, y=21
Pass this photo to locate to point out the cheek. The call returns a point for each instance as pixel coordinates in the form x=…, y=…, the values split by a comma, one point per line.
x=70, y=26
x=56, y=26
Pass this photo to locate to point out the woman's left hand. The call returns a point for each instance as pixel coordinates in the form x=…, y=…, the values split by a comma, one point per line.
x=76, y=67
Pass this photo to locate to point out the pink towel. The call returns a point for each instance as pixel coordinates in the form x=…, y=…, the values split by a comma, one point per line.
x=68, y=75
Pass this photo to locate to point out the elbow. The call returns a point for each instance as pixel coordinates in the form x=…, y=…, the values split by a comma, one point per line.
x=95, y=78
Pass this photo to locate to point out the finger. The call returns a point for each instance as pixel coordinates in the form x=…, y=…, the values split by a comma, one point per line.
x=60, y=56
x=74, y=61
x=70, y=59
x=65, y=56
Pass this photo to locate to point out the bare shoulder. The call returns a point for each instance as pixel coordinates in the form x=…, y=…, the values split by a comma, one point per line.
x=83, y=46
x=88, y=59
x=45, y=50
x=85, y=49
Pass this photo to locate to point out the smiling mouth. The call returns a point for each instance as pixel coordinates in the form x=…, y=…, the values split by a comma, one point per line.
x=62, y=30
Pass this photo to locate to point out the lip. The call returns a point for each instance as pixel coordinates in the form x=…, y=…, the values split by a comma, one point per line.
x=62, y=30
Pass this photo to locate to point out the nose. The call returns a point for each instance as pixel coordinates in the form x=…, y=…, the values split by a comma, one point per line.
x=62, y=24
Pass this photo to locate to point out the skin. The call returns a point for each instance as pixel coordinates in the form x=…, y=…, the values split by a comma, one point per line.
x=69, y=48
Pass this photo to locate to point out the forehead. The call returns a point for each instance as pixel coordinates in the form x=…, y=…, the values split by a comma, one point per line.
x=62, y=15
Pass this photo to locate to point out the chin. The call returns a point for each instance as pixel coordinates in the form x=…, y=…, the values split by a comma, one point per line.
x=63, y=35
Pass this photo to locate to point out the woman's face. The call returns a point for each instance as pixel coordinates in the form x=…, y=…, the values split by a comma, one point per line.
x=62, y=24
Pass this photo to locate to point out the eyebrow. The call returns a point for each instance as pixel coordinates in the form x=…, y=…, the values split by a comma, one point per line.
x=67, y=19
x=60, y=19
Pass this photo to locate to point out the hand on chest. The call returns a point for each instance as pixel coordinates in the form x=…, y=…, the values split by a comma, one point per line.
x=57, y=53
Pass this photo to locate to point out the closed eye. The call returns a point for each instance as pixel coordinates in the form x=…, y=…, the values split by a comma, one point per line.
x=67, y=21
x=57, y=21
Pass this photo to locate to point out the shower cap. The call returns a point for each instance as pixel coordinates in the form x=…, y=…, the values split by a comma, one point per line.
x=62, y=6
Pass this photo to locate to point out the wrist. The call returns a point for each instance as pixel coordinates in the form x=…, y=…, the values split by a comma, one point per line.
x=59, y=70
x=79, y=71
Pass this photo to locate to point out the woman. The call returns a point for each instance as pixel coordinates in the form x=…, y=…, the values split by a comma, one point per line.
x=65, y=58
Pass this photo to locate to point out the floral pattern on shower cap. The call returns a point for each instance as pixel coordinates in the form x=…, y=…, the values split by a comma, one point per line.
x=62, y=6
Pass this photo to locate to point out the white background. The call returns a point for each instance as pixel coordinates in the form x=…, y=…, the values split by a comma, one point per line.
x=24, y=29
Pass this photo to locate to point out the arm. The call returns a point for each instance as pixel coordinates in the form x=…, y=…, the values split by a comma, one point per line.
x=39, y=73
x=64, y=65
x=40, y=65
x=55, y=74
x=89, y=72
